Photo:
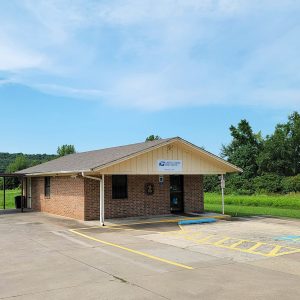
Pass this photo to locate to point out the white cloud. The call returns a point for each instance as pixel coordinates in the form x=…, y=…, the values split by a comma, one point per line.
x=13, y=57
x=147, y=55
x=90, y=94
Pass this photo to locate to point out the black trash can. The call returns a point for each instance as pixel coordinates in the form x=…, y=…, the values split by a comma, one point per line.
x=18, y=203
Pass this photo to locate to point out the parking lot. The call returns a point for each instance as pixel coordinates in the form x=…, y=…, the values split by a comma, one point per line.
x=48, y=257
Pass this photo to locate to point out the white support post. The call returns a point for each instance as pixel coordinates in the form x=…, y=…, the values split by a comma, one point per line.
x=222, y=188
x=102, y=200
x=101, y=195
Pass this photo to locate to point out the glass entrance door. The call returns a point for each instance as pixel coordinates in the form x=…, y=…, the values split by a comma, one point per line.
x=176, y=193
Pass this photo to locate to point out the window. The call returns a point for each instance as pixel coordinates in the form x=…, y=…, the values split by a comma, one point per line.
x=119, y=186
x=47, y=187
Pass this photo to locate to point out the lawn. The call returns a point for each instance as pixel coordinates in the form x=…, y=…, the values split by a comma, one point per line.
x=243, y=205
x=10, y=198
x=235, y=205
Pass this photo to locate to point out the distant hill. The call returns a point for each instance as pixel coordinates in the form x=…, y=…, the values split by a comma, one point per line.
x=7, y=158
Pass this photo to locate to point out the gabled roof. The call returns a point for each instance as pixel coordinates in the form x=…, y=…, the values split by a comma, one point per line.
x=91, y=160
x=87, y=161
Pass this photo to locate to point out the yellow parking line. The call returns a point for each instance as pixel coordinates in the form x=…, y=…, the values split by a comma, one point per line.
x=90, y=227
x=204, y=239
x=171, y=233
x=221, y=241
x=154, y=222
x=237, y=244
x=273, y=253
x=123, y=229
x=197, y=233
x=275, y=250
x=257, y=245
x=182, y=229
x=243, y=250
x=169, y=220
x=288, y=252
x=133, y=251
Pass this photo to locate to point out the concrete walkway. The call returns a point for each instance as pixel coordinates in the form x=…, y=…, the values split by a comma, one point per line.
x=155, y=219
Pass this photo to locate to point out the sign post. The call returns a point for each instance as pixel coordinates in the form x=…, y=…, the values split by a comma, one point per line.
x=4, y=187
x=222, y=188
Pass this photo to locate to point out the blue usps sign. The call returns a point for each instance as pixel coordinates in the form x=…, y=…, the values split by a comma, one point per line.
x=169, y=165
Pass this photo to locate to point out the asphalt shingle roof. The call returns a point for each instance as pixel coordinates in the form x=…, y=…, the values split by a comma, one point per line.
x=86, y=161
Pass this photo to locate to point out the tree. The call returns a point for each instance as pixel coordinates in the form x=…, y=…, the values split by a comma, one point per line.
x=244, y=149
x=21, y=162
x=65, y=150
x=293, y=129
x=152, y=137
x=281, y=152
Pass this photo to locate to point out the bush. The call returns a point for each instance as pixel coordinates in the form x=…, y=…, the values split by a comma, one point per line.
x=237, y=184
x=291, y=184
x=211, y=183
x=268, y=183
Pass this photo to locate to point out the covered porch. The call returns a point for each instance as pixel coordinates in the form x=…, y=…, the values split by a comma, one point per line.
x=119, y=196
x=24, y=200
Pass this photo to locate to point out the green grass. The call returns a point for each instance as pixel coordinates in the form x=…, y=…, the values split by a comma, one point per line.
x=240, y=205
x=9, y=198
x=235, y=205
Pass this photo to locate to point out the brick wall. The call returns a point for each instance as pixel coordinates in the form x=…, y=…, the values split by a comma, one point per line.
x=66, y=196
x=79, y=197
x=138, y=203
x=193, y=193
x=91, y=199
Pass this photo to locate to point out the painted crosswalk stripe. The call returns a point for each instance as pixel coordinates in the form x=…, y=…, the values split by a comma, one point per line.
x=221, y=241
x=275, y=250
x=237, y=244
x=257, y=245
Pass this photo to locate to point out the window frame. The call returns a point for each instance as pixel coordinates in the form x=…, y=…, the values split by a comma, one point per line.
x=121, y=191
x=47, y=186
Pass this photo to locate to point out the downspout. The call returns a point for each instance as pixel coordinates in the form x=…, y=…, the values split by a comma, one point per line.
x=101, y=182
x=22, y=194
x=29, y=192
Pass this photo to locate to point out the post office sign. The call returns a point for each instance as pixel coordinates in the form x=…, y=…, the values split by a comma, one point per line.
x=169, y=165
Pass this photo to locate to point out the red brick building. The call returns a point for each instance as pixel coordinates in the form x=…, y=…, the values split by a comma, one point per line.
x=151, y=178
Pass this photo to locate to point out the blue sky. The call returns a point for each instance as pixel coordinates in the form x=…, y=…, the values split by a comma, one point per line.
x=103, y=73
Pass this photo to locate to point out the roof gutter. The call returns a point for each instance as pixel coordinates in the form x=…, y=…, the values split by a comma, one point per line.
x=55, y=173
